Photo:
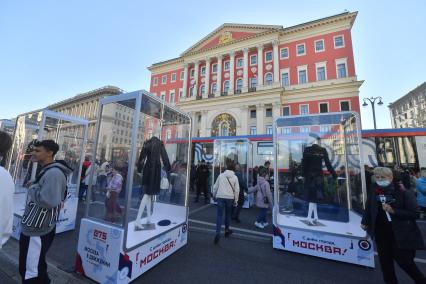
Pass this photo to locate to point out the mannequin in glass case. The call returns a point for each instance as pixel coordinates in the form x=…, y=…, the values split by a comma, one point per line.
x=149, y=164
x=312, y=165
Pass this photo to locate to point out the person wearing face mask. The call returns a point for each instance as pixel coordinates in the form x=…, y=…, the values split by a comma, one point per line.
x=389, y=218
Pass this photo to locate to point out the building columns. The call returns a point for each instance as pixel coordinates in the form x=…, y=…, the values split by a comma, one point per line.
x=260, y=65
x=260, y=119
x=275, y=57
x=207, y=79
x=245, y=70
x=185, y=81
x=219, y=76
x=197, y=66
x=231, y=72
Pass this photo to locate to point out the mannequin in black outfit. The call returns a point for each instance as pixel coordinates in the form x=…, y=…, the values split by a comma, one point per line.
x=150, y=165
x=313, y=157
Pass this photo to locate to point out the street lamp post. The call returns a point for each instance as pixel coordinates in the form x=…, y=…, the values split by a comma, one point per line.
x=372, y=102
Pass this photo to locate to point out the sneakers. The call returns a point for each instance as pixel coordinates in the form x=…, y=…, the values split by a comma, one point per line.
x=216, y=239
x=228, y=233
x=259, y=225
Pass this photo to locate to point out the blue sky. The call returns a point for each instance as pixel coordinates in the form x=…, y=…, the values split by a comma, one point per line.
x=52, y=50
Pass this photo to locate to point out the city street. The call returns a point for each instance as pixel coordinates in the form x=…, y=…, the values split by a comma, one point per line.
x=246, y=257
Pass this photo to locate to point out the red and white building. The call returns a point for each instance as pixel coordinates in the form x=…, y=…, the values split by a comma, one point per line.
x=238, y=78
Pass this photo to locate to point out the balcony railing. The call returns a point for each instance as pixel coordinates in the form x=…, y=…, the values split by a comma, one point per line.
x=211, y=95
x=252, y=89
x=238, y=91
x=224, y=94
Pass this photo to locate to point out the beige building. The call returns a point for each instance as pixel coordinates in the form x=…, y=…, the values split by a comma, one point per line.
x=410, y=109
x=86, y=105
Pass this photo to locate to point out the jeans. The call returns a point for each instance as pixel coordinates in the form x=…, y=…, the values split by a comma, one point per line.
x=261, y=218
x=223, y=204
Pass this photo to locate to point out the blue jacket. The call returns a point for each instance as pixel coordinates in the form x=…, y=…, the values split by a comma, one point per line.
x=421, y=192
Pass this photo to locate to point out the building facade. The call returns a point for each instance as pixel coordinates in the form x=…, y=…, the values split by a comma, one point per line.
x=238, y=78
x=86, y=106
x=410, y=109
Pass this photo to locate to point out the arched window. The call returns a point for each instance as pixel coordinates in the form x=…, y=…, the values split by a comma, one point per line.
x=268, y=79
x=226, y=86
x=202, y=90
x=239, y=85
x=214, y=88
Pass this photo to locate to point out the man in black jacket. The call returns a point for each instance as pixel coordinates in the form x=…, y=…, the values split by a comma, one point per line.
x=202, y=181
x=243, y=190
x=389, y=218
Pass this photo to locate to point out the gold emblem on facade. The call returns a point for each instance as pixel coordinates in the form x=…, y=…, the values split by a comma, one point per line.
x=225, y=37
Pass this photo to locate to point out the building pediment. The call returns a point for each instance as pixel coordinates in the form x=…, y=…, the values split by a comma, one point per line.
x=229, y=33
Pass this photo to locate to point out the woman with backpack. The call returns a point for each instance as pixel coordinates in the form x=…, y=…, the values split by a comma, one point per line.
x=225, y=191
x=263, y=197
x=390, y=219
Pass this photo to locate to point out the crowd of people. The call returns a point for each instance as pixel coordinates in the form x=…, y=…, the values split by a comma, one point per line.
x=395, y=199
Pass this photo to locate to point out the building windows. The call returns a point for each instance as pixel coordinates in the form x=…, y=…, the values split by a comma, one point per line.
x=155, y=81
x=192, y=72
x=323, y=107
x=202, y=90
x=226, y=86
x=304, y=109
x=168, y=134
x=285, y=79
x=319, y=45
x=164, y=79
x=284, y=53
x=191, y=91
x=173, y=77
x=300, y=49
x=321, y=73
x=182, y=75
x=268, y=112
x=303, y=77
x=226, y=66
x=253, y=82
x=286, y=111
x=268, y=79
x=268, y=56
x=341, y=68
x=268, y=129
x=252, y=113
x=325, y=128
x=253, y=59
x=304, y=129
x=240, y=62
x=253, y=130
x=172, y=97
x=214, y=68
x=286, y=130
x=163, y=96
x=344, y=106
x=180, y=93
x=239, y=85
x=339, y=41
x=203, y=71
x=214, y=88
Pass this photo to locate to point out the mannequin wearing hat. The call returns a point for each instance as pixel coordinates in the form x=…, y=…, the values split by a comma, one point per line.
x=312, y=171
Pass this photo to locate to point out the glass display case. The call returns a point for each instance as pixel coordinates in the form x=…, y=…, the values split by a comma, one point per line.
x=143, y=145
x=240, y=152
x=70, y=133
x=319, y=176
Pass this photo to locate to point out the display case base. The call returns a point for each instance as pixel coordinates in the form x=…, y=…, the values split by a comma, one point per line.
x=101, y=256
